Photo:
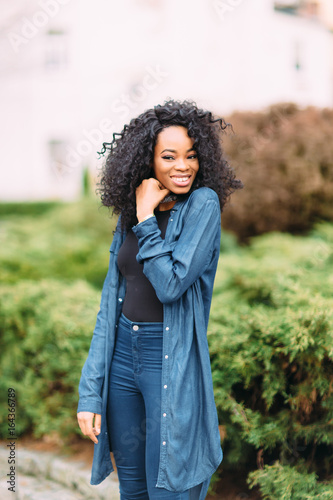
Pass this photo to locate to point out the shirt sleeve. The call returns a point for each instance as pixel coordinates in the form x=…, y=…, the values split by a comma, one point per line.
x=93, y=371
x=173, y=267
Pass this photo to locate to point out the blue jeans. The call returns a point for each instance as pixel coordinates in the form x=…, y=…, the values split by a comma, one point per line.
x=134, y=410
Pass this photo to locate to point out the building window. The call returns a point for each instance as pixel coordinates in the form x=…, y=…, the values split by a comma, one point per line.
x=287, y=6
x=305, y=8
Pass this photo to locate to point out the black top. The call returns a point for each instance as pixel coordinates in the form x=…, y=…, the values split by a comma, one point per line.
x=141, y=302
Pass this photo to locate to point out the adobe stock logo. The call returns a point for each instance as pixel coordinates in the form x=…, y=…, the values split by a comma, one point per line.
x=30, y=27
x=223, y=7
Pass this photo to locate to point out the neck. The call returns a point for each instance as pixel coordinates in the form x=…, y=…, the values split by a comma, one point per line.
x=168, y=202
x=166, y=206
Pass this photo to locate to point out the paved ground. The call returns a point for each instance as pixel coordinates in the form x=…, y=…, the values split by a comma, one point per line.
x=45, y=475
x=48, y=476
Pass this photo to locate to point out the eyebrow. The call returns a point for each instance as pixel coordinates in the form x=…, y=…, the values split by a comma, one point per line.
x=175, y=151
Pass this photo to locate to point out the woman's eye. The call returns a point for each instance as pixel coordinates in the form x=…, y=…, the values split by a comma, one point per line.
x=168, y=157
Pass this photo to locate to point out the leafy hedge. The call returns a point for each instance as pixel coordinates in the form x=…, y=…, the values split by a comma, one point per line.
x=271, y=348
x=278, y=482
x=66, y=242
x=284, y=156
x=270, y=337
x=45, y=330
x=29, y=208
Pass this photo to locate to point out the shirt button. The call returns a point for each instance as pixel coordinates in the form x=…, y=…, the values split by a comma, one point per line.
x=166, y=356
x=164, y=414
x=167, y=328
x=135, y=327
x=165, y=386
x=164, y=443
x=120, y=299
x=171, y=220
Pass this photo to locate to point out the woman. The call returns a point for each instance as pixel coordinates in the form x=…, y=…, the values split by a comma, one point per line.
x=146, y=387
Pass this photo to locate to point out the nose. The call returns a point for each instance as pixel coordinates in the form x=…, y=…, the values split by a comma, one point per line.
x=181, y=165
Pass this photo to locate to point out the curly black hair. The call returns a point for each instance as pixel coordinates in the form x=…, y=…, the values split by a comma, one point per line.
x=131, y=153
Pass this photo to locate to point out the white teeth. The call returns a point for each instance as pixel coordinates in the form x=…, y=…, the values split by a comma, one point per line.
x=181, y=179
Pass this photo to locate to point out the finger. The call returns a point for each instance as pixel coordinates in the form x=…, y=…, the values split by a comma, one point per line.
x=93, y=437
x=164, y=191
x=82, y=423
x=85, y=423
x=85, y=427
x=97, y=427
x=161, y=186
x=91, y=434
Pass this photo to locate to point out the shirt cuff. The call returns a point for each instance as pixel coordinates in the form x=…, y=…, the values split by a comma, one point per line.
x=145, y=227
x=91, y=405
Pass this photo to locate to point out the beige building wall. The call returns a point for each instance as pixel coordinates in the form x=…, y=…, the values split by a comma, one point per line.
x=326, y=12
x=72, y=72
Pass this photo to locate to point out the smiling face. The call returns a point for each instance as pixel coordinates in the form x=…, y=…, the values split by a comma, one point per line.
x=175, y=161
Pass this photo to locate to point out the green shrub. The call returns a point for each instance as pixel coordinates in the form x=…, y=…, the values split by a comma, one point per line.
x=70, y=242
x=29, y=208
x=284, y=156
x=270, y=338
x=271, y=345
x=279, y=482
x=45, y=330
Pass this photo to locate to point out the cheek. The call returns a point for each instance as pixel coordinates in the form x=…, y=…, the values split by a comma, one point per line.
x=158, y=170
x=155, y=167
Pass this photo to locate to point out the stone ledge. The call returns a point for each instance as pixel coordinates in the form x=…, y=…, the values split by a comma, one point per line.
x=50, y=468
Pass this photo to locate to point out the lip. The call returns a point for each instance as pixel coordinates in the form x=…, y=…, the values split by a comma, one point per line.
x=181, y=184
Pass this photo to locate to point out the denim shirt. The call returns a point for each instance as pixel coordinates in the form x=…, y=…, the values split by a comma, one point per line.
x=182, y=270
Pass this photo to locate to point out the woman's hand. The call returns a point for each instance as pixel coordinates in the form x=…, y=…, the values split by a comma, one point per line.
x=149, y=195
x=85, y=419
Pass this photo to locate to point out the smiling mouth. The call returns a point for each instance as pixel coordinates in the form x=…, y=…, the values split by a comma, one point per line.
x=181, y=179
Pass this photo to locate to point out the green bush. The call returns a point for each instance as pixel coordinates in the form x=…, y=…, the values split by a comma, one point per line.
x=284, y=156
x=270, y=338
x=271, y=346
x=279, y=482
x=30, y=208
x=69, y=242
x=45, y=331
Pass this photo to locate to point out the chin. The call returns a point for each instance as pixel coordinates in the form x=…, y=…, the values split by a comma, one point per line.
x=180, y=190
